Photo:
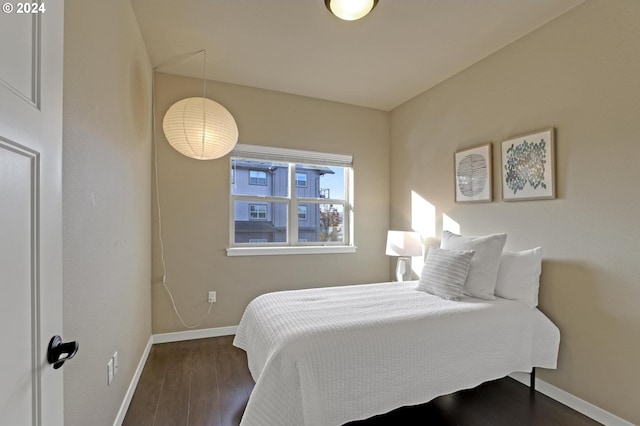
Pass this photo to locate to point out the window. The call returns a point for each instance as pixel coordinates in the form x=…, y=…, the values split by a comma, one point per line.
x=258, y=211
x=301, y=180
x=302, y=213
x=257, y=177
x=285, y=201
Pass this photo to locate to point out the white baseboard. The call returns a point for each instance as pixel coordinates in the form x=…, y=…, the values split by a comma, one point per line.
x=194, y=334
x=134, y=383
x=571, y=401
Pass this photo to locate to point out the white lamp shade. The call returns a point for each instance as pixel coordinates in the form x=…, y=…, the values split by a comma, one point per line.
x=350, y=10
x=402, y=243
x=200, y=128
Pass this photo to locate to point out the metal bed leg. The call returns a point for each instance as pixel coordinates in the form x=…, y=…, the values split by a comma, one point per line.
x=532, y=383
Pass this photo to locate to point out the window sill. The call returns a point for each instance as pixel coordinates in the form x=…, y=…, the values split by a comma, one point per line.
x=276, y=251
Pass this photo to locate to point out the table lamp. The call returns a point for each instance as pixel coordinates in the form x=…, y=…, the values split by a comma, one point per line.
x=403, y=244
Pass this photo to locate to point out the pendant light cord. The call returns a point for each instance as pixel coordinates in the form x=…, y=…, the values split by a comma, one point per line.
x=204, y=96
x=157, y=186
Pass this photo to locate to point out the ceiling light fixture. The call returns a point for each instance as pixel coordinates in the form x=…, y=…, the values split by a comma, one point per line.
x=350, y=10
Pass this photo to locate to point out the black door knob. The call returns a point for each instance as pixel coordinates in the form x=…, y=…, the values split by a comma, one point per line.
x=59, y=352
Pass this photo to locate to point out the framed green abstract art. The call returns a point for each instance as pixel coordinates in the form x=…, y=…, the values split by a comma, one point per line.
x=528, y=167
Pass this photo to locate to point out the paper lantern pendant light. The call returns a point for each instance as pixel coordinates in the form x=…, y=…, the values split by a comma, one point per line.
x=200, y=128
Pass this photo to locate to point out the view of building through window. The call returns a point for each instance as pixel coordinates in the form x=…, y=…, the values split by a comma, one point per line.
x=277, y=202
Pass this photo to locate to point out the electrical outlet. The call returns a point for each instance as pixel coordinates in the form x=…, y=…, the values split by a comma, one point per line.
x=109, y=371
x=115, y=363
x=212, y=297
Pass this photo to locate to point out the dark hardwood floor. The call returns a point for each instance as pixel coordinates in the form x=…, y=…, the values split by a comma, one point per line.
x=206, y=382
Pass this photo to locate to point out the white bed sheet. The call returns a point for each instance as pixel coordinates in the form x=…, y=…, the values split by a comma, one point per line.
x=323, y=357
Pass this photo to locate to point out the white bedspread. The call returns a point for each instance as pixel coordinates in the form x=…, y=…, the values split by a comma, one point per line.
x=324, y=357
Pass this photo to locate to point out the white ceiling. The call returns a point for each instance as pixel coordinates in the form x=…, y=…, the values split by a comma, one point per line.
x=401, y=49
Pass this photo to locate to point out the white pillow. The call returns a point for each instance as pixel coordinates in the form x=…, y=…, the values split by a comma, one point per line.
x=445, y=272
x=519, y=276
x=483, y=272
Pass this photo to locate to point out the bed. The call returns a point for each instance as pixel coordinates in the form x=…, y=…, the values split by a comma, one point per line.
x=328, y=356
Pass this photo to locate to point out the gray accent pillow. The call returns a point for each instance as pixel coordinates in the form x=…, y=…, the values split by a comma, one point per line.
x=444, y=272
x=483, y=272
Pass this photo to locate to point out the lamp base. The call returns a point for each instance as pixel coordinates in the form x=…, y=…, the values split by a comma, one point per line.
x=403, y=269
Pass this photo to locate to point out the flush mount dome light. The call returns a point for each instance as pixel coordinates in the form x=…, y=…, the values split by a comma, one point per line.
x=350, y=10
x=200, y=128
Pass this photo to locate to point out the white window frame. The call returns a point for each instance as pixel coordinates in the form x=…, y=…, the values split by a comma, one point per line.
x=293, y=245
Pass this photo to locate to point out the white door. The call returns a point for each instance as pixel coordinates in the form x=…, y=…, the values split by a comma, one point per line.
x=30, y=210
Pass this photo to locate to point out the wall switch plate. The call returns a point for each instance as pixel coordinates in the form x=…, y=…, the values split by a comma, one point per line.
x=212, y=297
x=116, y=364
x=109, y=371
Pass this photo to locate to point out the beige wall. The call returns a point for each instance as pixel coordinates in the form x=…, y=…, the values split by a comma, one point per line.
x=194, y=198
x=579, y=74
x=106, y=204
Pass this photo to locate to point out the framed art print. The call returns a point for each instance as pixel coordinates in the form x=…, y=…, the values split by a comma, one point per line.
x=528, y=167
x=473, y=174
